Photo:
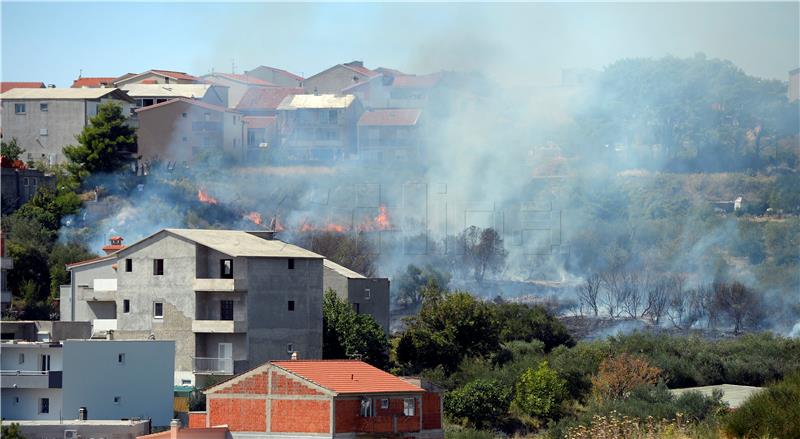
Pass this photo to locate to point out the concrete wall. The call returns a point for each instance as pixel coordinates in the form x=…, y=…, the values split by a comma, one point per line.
x=273, y=77
x=19, y=185
x=332, y=81
x=354, y=291
x=303, y=140
x=93, y=377
x=74, y=308
x=388, y=143
x=27, y=406
x=270, y=325
x=90, y=429
x=235, y=89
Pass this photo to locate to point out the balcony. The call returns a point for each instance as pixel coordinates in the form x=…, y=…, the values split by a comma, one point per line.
x=31, y=379
x=220, y=285
x=219, y=326
x=102, y=290
x=212, y=366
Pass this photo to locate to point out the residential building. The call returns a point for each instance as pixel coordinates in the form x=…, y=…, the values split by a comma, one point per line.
x=71, y=428
x=276, y=76
x=322, y=398
x=318, y=127
x=261, y=135
x=109, y=379
x=45, y=330
x=366, y=295
x=6, y=86
x=180, y=130
x=390, y=135
x=413, y=91
x=372, y=92
x=264, y=101
x=156, y=77
x=45, y=120
x=334, y=79
x=93, y=82
x=794, y=85
x=150, y=94
x=237, y=85
x=230, y=299
x=20, y=183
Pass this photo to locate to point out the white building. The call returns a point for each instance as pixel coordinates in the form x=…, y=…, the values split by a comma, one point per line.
x=112, y=379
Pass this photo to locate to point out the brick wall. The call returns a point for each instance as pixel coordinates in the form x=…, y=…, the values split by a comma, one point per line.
x=256, y=384
x=431, y=411
x=197, y=420
x=300, y=415
x=239, y=414
x=283, y=385
x=347, y=415
x=349, y=419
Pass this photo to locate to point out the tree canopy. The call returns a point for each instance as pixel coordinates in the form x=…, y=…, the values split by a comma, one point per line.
x=347, y=334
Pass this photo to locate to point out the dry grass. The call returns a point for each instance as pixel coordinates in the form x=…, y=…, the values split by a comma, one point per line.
x=623, y=427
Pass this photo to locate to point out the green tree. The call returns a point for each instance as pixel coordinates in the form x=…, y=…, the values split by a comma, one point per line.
x=449, y=327
x=412, y=282
x=347, y=334
x=59, y=257
x=105, y=145
x=523, y=322
x=351, y=251
x=483, y=251
x=539, y=393
x=11, y=431
x=479, y=404
x=11, y=150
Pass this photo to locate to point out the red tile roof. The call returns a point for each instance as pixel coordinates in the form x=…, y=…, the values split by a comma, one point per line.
x=174, y=74
x=362, y=70
x=347, y=376
x=92, y=260
x=92, y=82
x=266, y=98
x=190, y=102
x=6, y=86
x=390, y=117
x=414, y=81
x=250, y=80
x=259, y=121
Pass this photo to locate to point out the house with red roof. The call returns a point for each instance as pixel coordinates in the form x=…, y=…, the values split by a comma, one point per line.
x=180, y=129
x=390, y=134
x=390, y=90
x=6, y=86
x=276, y=76
x=322, y=398
x=93, y=82
x=237, y=85
x=156, y=77
x=334, y=79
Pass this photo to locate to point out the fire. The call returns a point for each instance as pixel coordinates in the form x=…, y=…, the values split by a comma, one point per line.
x=338, y=228
x=306, y=227
x=254, y=217
x=330, y=227
x=382, y=220
x=205, y=198
x=278, y=226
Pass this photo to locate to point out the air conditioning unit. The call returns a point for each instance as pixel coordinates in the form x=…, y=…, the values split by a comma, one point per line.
x=71, y=434
x=263, y=145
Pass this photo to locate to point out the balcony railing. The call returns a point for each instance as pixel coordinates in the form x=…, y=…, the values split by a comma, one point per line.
x=220, y=285
x=212, y=366
x=219, y=326
x=31, y=379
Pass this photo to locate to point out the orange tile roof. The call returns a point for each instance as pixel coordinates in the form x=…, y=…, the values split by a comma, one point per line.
x=92, y=82
x=347, y=376
x=6, y=86
x=174, y=74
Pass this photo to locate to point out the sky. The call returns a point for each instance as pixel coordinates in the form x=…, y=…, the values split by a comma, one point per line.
x=519, y=44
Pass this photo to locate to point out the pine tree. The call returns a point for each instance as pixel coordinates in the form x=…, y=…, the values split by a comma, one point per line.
x=105, y=145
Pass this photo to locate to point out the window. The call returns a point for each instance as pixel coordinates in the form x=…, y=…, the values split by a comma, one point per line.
x=183, y=115
x=44, y=405
x=128, y=265
x=290, y=348
x=357, y=307
x=158, y=310
x=21, y=358
x=43, y=132
x=367, y=409
x=226, y=309
x=291, y=305
x=19, y=108
x=117, y=400
x=45, y=362
x=147, y=102
x=408, y=406
x=158, y=267
x=291, y=264
x=385, y=403
x=126, y=306
x=367, y=294
x=16, y=400
x=42, y=106
x=160, y=100
x=121, y=358
x=226, y=268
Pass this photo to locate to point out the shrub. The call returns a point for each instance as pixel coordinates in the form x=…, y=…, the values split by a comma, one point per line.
x=479, y=404
x=619, y=375
x=772, y=413
x=540, y=393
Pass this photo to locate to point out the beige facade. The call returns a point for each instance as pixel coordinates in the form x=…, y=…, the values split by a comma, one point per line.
x=334, y=79
x=276, y=76
x=181, y=129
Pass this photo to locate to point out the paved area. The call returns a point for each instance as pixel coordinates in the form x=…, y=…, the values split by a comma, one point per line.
x=732, y=394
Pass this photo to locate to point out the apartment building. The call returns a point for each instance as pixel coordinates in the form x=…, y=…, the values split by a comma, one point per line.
x=366, y=295
x=276, y=76
x=318, y=127
x=325, y=399
x=45, y=120
x=151, y=94
x=334, y=79
x=156, y=76
x=109, y=379
x=237, y=85
x=390, y=135
x=230, y=299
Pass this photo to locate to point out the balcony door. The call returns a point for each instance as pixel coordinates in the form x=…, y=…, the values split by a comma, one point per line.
x=45, y=362
x=226, y=310
x=225, y=357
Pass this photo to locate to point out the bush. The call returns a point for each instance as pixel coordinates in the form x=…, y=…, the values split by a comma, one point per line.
x=772, y=413
x=618, y=376
x=467, y=433
x=478, y=404
x=540, y=393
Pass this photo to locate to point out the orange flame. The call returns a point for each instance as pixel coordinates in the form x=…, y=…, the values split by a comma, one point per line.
x=278, y=226
x=382, y=220
x=254, y=217
x=205, y=198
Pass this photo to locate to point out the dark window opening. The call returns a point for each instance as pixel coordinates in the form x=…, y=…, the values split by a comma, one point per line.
x=226, y=310
x=126, y=306
x=44, y=405
x=158, y=267
x=291, y=264
x=128, y=265
x=226, y=268
x=291, y=305
x=357, y=307
x=158, y=310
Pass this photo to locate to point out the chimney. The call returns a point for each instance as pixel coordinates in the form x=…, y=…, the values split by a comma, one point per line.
x=114, y=246
x=174, y=426
x=83, y=414
x=294, y=356
x=355, y=64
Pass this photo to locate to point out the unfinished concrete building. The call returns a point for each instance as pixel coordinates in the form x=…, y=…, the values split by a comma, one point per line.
x=366, y=295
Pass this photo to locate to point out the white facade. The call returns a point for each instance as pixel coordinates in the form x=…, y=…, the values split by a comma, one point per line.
x=113, y=379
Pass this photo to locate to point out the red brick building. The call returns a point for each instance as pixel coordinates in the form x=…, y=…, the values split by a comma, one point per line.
x=325, y=398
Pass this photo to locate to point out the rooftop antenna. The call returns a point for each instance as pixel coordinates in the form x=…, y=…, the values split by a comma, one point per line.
x=233, y=66
x=80, y=73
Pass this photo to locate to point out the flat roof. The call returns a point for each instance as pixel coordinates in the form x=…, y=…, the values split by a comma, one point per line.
x=315, y=101
x=167, y=90
x=734, y=395
x=66, y=422
x=60, y=93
